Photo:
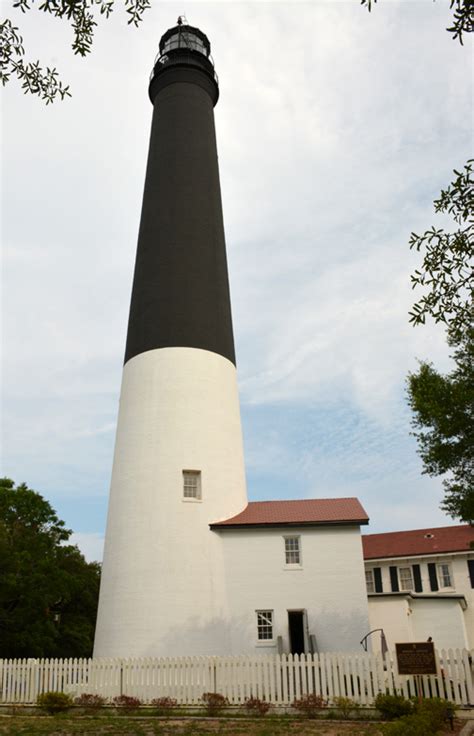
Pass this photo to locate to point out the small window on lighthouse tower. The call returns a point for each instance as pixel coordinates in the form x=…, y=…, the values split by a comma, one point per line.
x=192, y=484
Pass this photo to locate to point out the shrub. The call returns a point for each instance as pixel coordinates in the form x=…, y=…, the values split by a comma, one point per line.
x=164, y=705
x=427, y=717
x=255, y=706
x=54, y=702
x=393, y=706
x=91, y=702
x=345, y=706
x=436, y=709
x=414, y=725
x=214, y=702
x=126, y=703
x=310, y=705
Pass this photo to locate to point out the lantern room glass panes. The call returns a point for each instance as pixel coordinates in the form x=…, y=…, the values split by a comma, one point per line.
x=184, y=40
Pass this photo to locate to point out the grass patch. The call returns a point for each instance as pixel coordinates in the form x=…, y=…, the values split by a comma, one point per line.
x=105, y=725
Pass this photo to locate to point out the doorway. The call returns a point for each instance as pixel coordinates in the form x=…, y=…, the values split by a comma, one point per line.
x=296, y=629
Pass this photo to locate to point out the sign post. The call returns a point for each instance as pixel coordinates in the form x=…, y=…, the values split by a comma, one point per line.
x=417, y=659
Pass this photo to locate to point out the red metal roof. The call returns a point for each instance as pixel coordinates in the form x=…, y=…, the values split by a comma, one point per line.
x=305, y=512
x=418, y=542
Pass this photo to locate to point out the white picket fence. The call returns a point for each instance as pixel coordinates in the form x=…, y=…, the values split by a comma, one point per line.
x=278, y=679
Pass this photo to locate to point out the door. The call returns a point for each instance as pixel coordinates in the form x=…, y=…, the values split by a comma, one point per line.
x=296, y=630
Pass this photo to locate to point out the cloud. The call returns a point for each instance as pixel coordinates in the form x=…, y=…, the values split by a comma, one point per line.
x=94, y=431
x=90, y=544
x=336, y=129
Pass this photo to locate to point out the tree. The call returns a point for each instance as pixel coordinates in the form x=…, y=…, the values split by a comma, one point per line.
x=443, y=406
x=448, y=263
x=82, y=16
x=48, y=592
x=463, y=16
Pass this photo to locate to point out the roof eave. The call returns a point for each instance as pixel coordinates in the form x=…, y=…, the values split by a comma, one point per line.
x=422, y=596
x=404, y=556
x=218, y=525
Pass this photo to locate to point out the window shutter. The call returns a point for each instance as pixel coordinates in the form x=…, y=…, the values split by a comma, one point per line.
x=417, y=579
x=378, y=579
x=433, y=576
x=394, y=579
x=470, y=565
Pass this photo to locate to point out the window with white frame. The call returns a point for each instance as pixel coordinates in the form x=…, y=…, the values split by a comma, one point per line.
x=406, y=578
x=292, y=551
x=369, y=581
x=445, y=579
x=264, y=625
x=192, y=484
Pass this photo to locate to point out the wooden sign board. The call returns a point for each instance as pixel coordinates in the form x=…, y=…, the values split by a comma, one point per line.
x=416, y=658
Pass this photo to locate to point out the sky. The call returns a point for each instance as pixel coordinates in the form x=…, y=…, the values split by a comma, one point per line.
x=336, y=129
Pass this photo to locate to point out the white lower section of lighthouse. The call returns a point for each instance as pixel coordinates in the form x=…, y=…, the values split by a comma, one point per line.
x=163, y=588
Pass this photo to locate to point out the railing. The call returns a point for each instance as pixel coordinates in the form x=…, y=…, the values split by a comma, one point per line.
x=185, y=57
x=278, y=679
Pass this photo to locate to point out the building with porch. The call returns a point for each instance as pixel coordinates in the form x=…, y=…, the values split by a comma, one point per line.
x=420, y=584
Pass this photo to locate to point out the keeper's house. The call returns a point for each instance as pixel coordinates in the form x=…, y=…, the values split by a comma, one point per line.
x=294, y=576
x=420, y=584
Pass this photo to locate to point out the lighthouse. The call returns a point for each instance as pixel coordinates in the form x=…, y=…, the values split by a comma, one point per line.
x=178, y=463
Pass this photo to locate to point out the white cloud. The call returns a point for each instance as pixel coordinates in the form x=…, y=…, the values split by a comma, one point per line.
x=90, y=544
x=335, y=129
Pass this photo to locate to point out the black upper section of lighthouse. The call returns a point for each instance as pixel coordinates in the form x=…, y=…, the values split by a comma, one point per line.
x=180, y=295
